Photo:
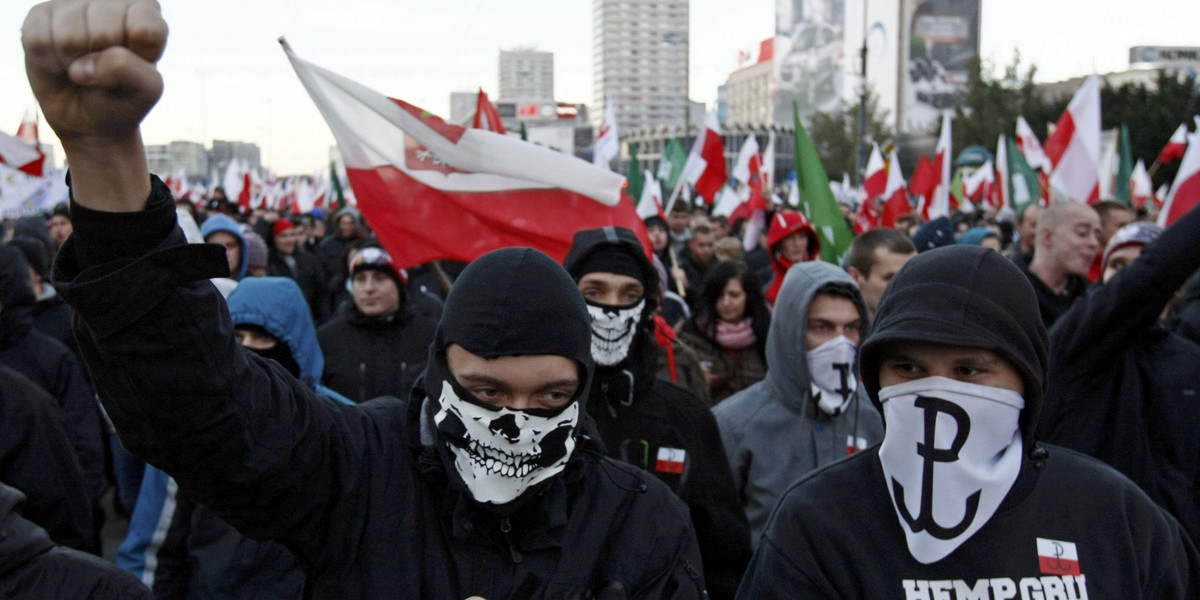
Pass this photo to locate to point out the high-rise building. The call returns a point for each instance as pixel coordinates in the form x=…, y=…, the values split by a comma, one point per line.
x=224, y=151
x=640, y=58
x=526, y=75
x=158, y=158
x=192, y=157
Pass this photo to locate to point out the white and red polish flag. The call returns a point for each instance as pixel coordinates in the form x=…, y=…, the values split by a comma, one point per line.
x=1175, y=146
x=650, y=204
x=1058, y=558
x=1141, y=188
x=18, y=154
x=876, y=174
x=608, y=143
x=939, y=204
x=896, y=193
x=705, y=168
x=486, y=116
x=1185, y=191
x=433, y=190
x=1030, y=147
x=1074, y=147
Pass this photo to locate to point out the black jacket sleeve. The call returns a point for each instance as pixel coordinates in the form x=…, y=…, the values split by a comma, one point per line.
x=1093, y=336
x=238, y=433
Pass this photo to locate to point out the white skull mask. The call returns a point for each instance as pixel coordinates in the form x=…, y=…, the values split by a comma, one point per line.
x=613, y=330
x=500, y=453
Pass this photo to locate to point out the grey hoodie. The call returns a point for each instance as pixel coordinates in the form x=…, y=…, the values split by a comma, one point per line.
x=773, y=431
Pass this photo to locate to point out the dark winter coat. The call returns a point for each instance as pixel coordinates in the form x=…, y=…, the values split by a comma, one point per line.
x=309, y=274
x=367, y=357
x=662, y=428
x=49, y=364
x=351, y=490
x=32, y=567
x=36, y=457
x=1125, y=390
x=1127, y=547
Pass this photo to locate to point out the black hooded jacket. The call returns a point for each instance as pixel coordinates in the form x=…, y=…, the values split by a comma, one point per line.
x=1061, y=503
x=654, y=424
x=49, y=364
x=1123, y=389
x=36, y=457
x=358, y=493
x=33, y=567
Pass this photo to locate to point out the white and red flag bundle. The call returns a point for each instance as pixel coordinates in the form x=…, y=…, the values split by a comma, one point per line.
x=705, y=168
x=486, y=116
x=16, y=153
x=651, y=202
x=433, y=190
x=1175, y=146
x=874, y=185
x=1074, y=147
x=1141, y=188
x=1185, y=191
x=608, y=144
x=748, y=169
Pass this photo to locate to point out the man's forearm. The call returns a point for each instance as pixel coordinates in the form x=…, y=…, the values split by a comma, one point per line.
x=109, y=175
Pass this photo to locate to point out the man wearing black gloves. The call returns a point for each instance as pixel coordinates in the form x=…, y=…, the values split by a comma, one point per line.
x=484, y=486
x=959, y=501
x=648, y=421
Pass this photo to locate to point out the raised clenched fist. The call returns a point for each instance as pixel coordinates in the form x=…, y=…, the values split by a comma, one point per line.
x=91, y=66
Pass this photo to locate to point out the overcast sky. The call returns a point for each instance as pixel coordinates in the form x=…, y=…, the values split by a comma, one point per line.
x=227, y=78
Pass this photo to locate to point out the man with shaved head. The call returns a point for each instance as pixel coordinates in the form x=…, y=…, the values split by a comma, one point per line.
x=1068, y=239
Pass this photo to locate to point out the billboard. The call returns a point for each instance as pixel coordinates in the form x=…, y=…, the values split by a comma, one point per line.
x=942, y=39
x=810, y=59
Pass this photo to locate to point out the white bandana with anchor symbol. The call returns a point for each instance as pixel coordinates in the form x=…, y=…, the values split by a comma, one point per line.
x=951, y=451
x=831, y=368
x=500, y=453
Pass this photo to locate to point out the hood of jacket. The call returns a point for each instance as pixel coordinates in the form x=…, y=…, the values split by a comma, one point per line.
x=16, y=295
x=20, y=539
x=220, y=222
x=965, y=296
x=787, y=345
x=277, y=305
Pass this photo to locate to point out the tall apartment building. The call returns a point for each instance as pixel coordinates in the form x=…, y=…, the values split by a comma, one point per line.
x=526, y=75
x=640, y=57
x=192, y=157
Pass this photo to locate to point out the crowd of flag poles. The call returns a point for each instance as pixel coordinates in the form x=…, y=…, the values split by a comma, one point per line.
x=435, y=190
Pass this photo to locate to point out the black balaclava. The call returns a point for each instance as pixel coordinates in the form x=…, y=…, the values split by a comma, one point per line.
x=510, y=302
x=620, y=375
x=279, y=353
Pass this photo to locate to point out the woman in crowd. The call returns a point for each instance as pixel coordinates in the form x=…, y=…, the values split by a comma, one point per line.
x=729, y=329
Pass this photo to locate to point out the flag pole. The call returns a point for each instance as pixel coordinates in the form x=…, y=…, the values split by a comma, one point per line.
x=675, y=193
x=1153, y=167
x=675, y=265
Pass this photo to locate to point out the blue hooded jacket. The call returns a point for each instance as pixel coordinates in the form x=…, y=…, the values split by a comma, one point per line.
x=219, y=222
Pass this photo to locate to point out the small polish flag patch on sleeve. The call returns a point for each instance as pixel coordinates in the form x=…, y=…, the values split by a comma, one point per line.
x=670, y=460
x=1057, y=558
x=854, y=444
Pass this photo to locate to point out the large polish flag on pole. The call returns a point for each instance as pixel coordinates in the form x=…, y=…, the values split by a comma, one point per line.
x=1185, y=192
x=1030, y=147
x=608, y=144
x=1074, y=147
x=432, y=190
x=939, y=205
x=705, y=167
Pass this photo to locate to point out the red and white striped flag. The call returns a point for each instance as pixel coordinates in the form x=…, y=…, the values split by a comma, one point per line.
x=19, y=155
x=896, y=193
x=608, y=143
x=705, y=168
x=1185, y=191
x=939, y=206
x=1141, y=188
x=433, y=190
x=1175, y=146
x=876, y=174
x=1074, y=147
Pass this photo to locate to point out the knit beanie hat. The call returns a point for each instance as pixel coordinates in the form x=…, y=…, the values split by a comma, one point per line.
x=35, y=253
x=373, y=258
x=281, y=226
x=1138, y=233
x=256, y=250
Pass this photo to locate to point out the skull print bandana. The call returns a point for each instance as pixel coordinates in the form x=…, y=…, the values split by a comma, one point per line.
x=950, y=453
x=500, y=453
x=613, y=330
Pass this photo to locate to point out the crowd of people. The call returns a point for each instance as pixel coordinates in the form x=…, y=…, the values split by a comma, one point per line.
x=979, y=406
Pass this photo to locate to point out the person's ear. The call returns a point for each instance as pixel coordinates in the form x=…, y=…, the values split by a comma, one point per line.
x=857, y=275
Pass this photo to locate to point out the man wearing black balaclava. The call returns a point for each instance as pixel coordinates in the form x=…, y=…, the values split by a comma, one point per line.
x=481, y=484
x=960, y=500
x=646, y=420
